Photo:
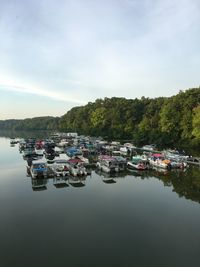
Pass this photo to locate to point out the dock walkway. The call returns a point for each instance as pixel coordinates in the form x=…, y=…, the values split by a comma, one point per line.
x=194, y=160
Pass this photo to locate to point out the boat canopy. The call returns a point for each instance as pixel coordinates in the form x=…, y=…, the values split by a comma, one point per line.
x=136, y=160
x=106, y=157
x=76, y=160
x=157, y=155
x=61, y=161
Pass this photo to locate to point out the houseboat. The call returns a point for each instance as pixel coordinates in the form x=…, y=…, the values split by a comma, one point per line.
x=107, y=164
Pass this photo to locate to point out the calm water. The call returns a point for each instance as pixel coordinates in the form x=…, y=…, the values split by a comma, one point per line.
x=152, y=219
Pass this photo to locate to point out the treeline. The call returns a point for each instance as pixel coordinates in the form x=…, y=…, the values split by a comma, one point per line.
x=165, y=121
x=38, y=123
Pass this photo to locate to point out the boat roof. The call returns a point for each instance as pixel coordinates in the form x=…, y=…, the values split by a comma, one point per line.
x=136, y=160
x=39, y=161
x=157, y=155
x=106, y=157
x=76, y=160
x=60, y=161
x=120, y=158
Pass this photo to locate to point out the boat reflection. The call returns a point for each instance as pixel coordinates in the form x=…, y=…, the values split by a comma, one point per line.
x=142, y=174
x=39, y=184
x=60, y=182
x=77, y=181
x=12, y=145
x=107, y=178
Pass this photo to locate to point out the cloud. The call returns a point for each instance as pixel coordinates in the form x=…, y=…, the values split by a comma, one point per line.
x=36, y=91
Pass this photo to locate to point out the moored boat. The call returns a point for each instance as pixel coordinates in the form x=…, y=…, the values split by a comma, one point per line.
x=159, y=161
x=76, y=167
x=60, y=167
x=38, y=169
x=107, y=164
x=137, y=163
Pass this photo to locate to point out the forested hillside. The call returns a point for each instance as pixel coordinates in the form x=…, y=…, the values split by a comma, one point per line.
x=173, y=120
x=38, y=123
x=167, y=121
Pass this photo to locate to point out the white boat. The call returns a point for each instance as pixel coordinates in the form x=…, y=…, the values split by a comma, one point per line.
x=178, y=164
x=122, y=163
x=174, y=155
x=39, y=152
x=60, y=167
x=38, y=169
x=159, y=161
x=13, y=141
x=115, y=143
x=63, y=143
x=125, y=151
x=138, y=163
x=59, y=150
x=149, y=147
x=107, y=164
x=129, y=145
x=76, y=167
x=29, y=152
x=84, y=160
x=22, y=145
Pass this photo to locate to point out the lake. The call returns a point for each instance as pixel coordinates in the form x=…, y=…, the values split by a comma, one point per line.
x=137, y=219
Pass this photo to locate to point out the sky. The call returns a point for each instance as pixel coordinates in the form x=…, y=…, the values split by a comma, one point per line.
x=57, y=54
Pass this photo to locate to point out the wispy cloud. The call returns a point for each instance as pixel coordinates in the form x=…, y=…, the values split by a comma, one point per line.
x=36, y=91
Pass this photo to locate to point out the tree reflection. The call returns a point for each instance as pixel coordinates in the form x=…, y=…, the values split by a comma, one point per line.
x=186, y=183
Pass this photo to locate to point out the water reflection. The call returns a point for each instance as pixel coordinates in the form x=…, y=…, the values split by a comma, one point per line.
x=107, y=178
x=77, y=181
x=12, y=145
x=140, y=173
x=60, y=182
x=39, y=184
x=186, y=183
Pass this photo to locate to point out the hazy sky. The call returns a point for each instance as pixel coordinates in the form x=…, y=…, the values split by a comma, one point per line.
x=56, y=54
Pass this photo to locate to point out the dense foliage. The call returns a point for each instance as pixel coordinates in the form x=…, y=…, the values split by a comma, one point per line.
x=38, y=123
x=168, y=121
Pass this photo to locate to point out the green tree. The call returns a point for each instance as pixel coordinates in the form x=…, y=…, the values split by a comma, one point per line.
x=196, y=122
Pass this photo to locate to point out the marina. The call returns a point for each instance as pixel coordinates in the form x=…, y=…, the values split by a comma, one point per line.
x=65, y=154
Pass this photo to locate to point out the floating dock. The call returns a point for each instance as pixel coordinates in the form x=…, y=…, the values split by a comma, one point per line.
x=194, y=160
